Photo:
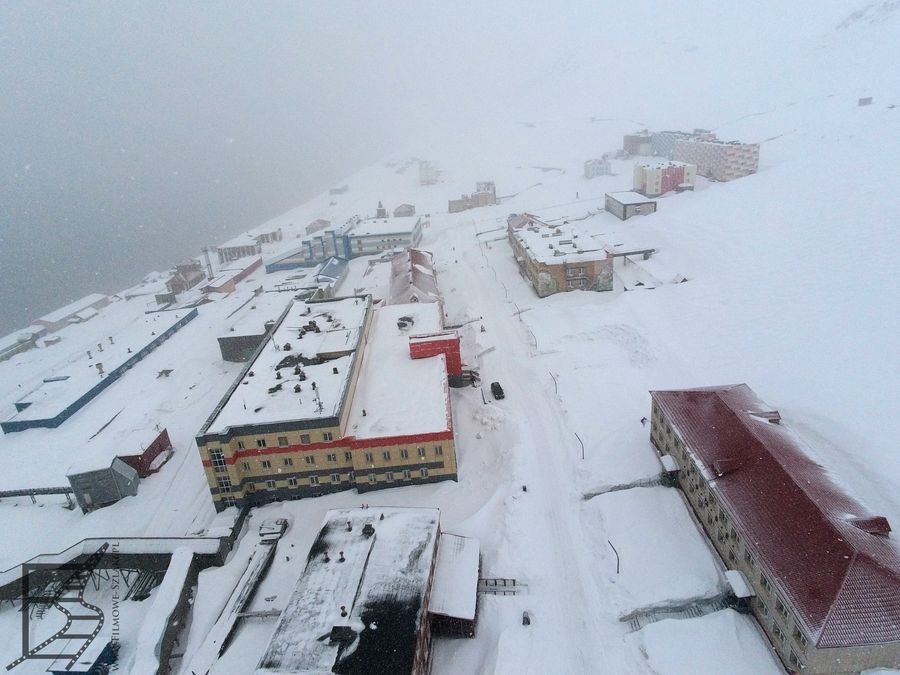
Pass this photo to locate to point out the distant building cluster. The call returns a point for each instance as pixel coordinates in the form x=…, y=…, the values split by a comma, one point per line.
x=597, y=167
x=556, y=258
x=714, y=159
x=485, y=195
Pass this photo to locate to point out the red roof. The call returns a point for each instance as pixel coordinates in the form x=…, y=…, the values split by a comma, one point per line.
x=825, y=552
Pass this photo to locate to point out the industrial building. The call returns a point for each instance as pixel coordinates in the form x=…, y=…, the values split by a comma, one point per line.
x=823, y=569
x=657, y=177
x=718, y=160
x=242, y=246
x=558, y=258
x=334, y=399
x=624, y=205
x=365, y=599
x=485, y=195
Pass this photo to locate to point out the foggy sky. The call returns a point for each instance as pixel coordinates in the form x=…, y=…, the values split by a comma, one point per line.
x=132, y=134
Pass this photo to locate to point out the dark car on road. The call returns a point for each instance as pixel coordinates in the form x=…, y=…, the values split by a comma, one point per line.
x=497, y=390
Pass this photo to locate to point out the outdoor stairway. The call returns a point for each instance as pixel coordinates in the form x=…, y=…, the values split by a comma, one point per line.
x=692, y=609
x=653, y=481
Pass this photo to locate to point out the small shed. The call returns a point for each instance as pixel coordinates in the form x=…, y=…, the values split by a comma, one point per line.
x=454, y=597
x=150, y=460
x=96, y=488
x=624, y=205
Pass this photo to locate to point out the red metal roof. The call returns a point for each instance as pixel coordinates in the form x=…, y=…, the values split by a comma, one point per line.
x=824, y=551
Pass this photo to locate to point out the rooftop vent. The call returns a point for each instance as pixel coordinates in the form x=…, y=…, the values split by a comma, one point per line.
x=772, y=416
x=723, y=467
x=877, y=525
x=368, y=530
x=342, y=634
x=334, y=370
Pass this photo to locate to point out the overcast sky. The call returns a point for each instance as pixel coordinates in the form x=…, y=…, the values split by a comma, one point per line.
x=134, y=133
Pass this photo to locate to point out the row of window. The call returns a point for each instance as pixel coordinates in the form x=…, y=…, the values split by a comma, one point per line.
x=218, y=459
x=225, y=484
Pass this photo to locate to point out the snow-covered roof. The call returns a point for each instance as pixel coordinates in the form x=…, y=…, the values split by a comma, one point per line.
x=455, y=590
x=401, y=395
x=262, y=398
x=251, y=317
x=73, y=308
x=412, y=277
x=378, y=576
x=559, y=243
x=243, y=239
x=629, y=198
x=383, y=226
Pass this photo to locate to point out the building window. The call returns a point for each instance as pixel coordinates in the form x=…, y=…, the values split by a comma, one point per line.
x=423, y=473
x=224, y=483
x=386, y=455
x=731, y=556
x=283, y=441
x=369, y=457
x=748, y=558
x=406, y=474
x=327, y=436
x=266, y=464
x=260, y=442
x=251, y=487
x=764, y=582
x=438, y=450
x=780, y=608
x=304, y=439
x=332, y=457
x=313, y=480
x=335, y=478
x=217, y=459
x=270, y=484
x=777, y=632
x=310, y=459
x=795, y=661
x=241, y=445
x=404, y=454
x=371, y=477
x=389, y=476
x=292, y=482
x=228, y=501
x=799, y=639
x=245, y=466
x=288, y=461
x=422, y=452
x=348, y=456
x=763, y=609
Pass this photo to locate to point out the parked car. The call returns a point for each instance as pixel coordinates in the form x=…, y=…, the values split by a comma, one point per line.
x=497, y=390
x=271, y=529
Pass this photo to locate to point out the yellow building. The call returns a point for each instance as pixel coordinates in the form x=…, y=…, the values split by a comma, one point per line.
x=332, y=401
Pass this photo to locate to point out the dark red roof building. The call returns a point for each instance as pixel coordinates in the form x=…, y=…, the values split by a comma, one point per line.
x=825, y=572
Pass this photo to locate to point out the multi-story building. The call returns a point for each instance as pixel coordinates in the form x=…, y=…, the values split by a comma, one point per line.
x=657, y=177
x=825, y=575
x=637, y=143
x=332, y=400
x=662, y=143
x=597, y=167
x=624, y=205
x=558, y=258
x=485, y=195
x=718, y=160
x=375, y=580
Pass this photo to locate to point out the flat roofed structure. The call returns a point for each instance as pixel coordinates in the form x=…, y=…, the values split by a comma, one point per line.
x=825, y=573
x=266, y=398
x=454, y=600
x=401, y=396
x=360, y=605
x=624, y=205
x=60, y=318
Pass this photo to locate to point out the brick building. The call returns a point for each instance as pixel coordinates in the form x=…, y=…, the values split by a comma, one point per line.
x=655, y=178
x=333, y=400
x=825, y=574
x=552, y=257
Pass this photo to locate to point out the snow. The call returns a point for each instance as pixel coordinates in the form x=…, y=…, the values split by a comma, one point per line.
x=253, y=403
x=574, y=243
x=401, y=396
x=376, y=227
x=73, y=308
x=456, y=577
x=738, y=583
x=629, y=197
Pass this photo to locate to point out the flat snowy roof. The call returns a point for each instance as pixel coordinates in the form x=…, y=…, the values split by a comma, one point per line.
x=629, y=197
x=72, y=308
x=380, y=226
x=262, y=398
x=401, y=395
x=567, y=245
x=455, y=589
x=381, y=583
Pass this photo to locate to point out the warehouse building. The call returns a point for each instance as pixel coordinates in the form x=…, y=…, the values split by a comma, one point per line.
x=624, y=205
x=823, y=570
x=558, y=258
x=333, y=400
x=364, y=601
